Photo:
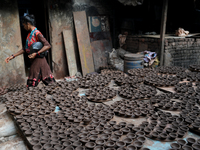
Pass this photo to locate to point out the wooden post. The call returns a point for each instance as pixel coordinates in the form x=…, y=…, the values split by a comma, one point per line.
x=163, y=29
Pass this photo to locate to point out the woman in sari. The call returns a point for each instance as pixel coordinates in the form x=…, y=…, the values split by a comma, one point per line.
x=39, y=70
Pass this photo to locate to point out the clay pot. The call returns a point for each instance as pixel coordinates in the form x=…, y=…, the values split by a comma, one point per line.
x=131, y=136
x=117, y=127
x=141, y=139
x=190, y=141
x=100, y=142
x=125, y=130
x=186, y=147
x=181, y=142
x=118, y=133
x=181, y=134
x=131, y=147
x=69, y=148
x=137, y=144
x=123, y=124
x=90, y=145
x=136, y=129
x=147, y=130
x=37, y=147
x=84, y=140
x=175, y=145
x=67, y=143
x=145, y=148
x=93, y=138
x=104, y=136
x=140, y=133
x=99, y=148
x=172, y=136
x=112, y=123
x=128, y=141
x=80, y=148
x=120, y=144
x=163, y=136
x=114, y=138
x=196, y=146
x=47, y=146
x=77, y=143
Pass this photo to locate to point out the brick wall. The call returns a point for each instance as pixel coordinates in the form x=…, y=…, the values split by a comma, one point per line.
x=178, y=51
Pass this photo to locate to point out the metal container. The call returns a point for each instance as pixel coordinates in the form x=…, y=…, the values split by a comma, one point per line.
x=133, y=61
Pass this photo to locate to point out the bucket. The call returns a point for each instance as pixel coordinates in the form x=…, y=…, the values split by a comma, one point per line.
x=133, y=61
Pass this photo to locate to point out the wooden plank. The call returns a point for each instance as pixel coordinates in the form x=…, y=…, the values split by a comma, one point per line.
x=99, y=50
x=70, y=52
x=163, y=29
x=83, y=39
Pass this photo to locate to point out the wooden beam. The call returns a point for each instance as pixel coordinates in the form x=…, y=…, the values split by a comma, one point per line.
x=163, y=29
x=83, y=39
x=70, y=52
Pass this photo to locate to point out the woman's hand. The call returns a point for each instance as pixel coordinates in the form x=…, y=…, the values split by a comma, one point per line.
x=8, y=59
x=32, y=56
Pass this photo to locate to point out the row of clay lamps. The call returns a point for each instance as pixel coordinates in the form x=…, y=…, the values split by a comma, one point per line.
x=99, y=80
x=194, y=68
x=100, y=94
x=165, y=126
x=142, y=72
x=138, y=92
x=189, y=76
x=161, y=80
x=170, y=70
x=131, y=109
x=130, y=79
x=188, y=144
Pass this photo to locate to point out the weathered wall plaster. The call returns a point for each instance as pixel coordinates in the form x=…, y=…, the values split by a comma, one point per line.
x=10, y=42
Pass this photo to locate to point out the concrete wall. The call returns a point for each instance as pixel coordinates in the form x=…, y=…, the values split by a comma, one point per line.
x=60, y=18
x=10, y=42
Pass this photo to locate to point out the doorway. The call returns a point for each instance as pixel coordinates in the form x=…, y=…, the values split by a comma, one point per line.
x=39, y=9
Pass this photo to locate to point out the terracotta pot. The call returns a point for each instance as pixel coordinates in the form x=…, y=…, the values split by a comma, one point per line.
x=84, y=140
x=69, y=148
x=141, y=139
x=131, y=136
x=100, y=142
x=110, y=144
x=128, y=141
x=181, y=142
x=175, y=145
x=114, y=138
x=77, y=143
x=67, y=143
x=196, y=146
x=90, y=145
x=118, y=133
x=186, y=147
x=120, y=144
x=131, y=147
x=137, y=144
x=181, y=134
x=37, y=147
x=172, y=136
x=99, y=148
x=104, y=136
x=190, y=141
x=163, y=136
